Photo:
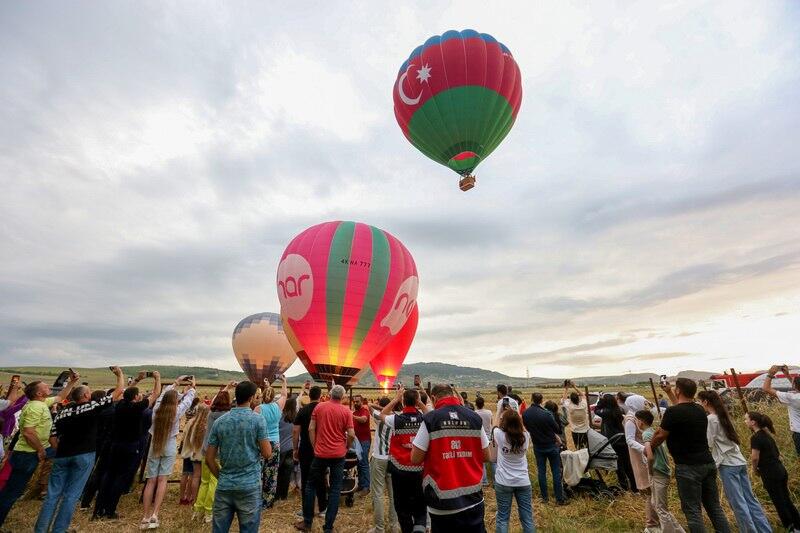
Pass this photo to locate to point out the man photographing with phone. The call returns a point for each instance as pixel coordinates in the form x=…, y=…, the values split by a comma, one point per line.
x=33, y=446
x=790, y=399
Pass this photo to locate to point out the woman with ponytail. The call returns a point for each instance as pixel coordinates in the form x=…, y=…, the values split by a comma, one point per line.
x=271, y=410
x=731, y=464
x=767, y=463
x=167, y=413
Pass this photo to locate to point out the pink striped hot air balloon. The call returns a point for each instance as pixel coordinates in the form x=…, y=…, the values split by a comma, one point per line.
x=386, y=365
x=345, y=290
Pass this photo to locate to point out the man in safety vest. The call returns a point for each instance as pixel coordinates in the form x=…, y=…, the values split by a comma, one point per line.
x=406, y=476
x=452, y=447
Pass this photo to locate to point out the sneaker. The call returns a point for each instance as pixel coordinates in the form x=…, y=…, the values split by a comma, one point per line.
x=154, y=523
x=321, y=514
x=207, y=519
x=196, y=515
x=144, y=524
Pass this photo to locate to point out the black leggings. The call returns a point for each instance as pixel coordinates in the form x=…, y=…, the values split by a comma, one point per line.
x=285, y=468
x=624, y=468
x=778, y=489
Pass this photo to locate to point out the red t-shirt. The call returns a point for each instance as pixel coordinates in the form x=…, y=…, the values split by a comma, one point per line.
x=332, y=420
x=362, y=428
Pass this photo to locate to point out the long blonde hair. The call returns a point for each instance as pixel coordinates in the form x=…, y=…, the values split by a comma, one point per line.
x=163, y=419
x=196, y=429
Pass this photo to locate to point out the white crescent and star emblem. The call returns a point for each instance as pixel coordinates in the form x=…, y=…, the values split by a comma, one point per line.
x=423, y=74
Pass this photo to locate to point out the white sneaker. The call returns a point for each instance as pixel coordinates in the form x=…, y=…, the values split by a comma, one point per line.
x=208, y=519
x=154, y=523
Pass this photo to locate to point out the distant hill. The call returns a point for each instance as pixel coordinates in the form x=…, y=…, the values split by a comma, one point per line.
x=463, y=376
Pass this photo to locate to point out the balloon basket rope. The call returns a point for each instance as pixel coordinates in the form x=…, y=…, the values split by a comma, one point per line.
x=466, y=183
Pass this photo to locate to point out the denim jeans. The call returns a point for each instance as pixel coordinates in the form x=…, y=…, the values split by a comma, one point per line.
x=244, y=503
x=505, y=495
x=23, y=465
x=749, y=514
x=697, y=485
x=488, y=474
x=64, y=489
x=551, y=454
x=316, y=478
x=363, y=465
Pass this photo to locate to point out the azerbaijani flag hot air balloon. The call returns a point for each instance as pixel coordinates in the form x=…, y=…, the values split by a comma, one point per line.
x=456, y=98
x=345, y=290
x=387, y=363
x=261, y=347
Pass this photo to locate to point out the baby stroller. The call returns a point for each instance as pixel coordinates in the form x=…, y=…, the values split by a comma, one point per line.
x=350, y=480
x=600, y=455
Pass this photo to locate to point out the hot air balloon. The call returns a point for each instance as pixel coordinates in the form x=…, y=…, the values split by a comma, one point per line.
x=345, y=290
x=387, y=363
x=456, y=98
x=261, y=347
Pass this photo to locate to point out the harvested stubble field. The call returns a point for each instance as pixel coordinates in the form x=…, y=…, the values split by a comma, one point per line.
x=624, y=513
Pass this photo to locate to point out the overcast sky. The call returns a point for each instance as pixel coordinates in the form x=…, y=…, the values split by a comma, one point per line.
x=642, y=215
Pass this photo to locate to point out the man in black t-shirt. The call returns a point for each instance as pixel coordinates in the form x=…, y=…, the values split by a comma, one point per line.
x=683, y=427
x=126, y=446
x=75, y=427
x=303, y=449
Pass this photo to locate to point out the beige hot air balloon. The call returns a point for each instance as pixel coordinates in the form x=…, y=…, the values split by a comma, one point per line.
x=262, y=348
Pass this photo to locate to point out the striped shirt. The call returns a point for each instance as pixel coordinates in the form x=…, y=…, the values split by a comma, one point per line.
x=380, y=441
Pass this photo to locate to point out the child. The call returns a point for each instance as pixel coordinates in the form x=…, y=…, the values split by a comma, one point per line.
x=766, y=460
x=660, y=473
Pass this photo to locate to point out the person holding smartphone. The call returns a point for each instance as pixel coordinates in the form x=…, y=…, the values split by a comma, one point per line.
x=33, y=446
x=790, y=399
x=9, y=404
x=167, y=413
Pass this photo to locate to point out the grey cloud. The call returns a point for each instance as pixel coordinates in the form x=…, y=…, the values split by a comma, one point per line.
x=683, y=282
x=82, y=277
x=542, y=356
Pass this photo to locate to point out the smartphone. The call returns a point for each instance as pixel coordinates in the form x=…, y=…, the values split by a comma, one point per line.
x=505, y=404
x=663, y=379
x=15, y=378
x=148, y=374
x=398, y=384
x=72, y=373
x=417, y=380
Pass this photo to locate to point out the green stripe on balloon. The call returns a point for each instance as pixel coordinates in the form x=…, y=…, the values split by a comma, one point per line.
x=337, y=283
x=376, y=287
x=475, y=105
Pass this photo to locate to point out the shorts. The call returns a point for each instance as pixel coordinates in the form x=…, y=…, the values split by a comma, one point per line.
x=159, y=466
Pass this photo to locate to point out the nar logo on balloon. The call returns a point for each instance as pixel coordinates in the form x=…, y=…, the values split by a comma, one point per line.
x=295, y=286
x=402, y=306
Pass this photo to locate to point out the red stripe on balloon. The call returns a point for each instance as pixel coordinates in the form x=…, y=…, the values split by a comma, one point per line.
x=455, y=63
